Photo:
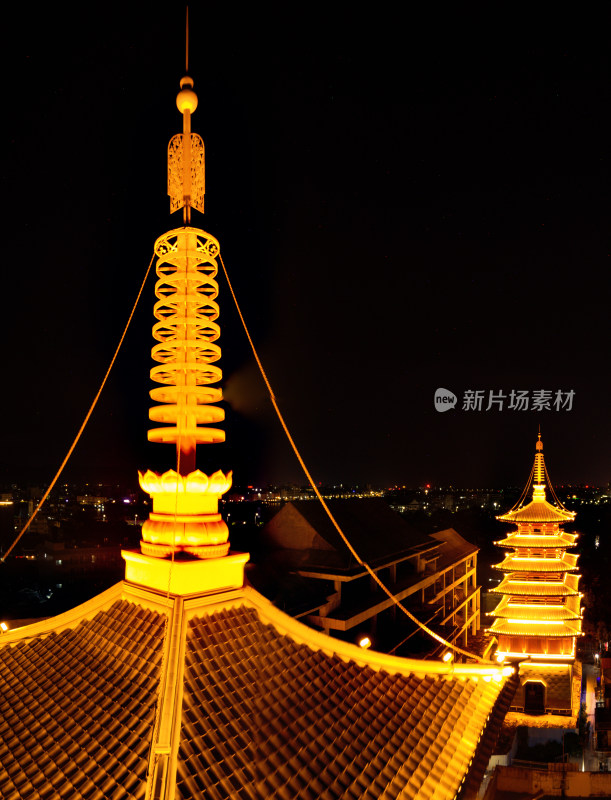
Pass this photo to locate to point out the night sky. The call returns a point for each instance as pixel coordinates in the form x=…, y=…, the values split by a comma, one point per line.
x=402, y=205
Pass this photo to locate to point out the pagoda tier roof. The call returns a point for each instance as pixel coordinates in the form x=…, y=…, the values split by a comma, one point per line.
x=538, y=511
x=509, y=627
x=532, y=588
x=508, y=610
x=513, y=563
x=557, y=540
x=253, y=704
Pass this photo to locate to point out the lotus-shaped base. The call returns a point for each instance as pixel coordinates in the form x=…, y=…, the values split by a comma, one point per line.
x=195, y=493
x=185, y=514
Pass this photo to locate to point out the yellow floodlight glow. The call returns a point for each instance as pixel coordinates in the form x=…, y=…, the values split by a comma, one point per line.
x=447, y=657
x=186, y=352
x=555, y=656
x=3, y=627
x=364, y=642
x=539, y=549
x=537, y=583
x=185, y=516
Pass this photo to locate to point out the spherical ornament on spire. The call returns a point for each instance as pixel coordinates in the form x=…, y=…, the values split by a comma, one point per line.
x=186, y=99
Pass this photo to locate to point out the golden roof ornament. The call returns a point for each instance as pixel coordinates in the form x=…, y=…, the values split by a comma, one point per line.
x=185, y=519
x=186, y=158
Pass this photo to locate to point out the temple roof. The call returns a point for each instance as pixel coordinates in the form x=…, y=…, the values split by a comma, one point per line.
x=516, y=563
x=538, y=511
x=532, y=588
x=508, y=610
x=252, y=704
x=535, y=628
x=560, y=539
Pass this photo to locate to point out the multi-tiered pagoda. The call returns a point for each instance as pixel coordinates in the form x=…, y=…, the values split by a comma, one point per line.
x=539, y=617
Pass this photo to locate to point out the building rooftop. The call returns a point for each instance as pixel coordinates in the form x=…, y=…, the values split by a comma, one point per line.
x=455, y=548
x=252, y=704
x=378, y=533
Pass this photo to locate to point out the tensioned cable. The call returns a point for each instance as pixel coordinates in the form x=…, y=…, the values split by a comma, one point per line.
x=85, y=421
x=551, y=488
x=343, y=536
x=525, y=492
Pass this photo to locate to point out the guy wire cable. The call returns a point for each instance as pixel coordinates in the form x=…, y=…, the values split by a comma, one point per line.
x=364, y=564
x=85, y=421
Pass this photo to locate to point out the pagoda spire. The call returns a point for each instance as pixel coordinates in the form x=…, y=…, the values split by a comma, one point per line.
x=539, y=471
x=533, y=503
x=185, y=520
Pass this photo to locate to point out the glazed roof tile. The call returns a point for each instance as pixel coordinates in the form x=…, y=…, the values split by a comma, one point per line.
x=313, y=721
x=267, y=707
x=76, y=707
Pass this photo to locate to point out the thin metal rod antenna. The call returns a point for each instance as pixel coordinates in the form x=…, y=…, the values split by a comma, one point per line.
x=187, y=43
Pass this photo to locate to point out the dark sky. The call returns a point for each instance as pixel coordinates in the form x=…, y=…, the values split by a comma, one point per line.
x=402, y=205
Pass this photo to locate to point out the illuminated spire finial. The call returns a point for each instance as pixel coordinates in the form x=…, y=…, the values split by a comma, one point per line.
x=539, y=471
x=186, y=154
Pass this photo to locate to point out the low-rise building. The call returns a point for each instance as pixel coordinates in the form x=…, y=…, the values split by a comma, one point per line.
x=435, y=575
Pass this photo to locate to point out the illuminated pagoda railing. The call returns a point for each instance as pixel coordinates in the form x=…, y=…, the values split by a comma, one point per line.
x=539, y=617
x=185, y=542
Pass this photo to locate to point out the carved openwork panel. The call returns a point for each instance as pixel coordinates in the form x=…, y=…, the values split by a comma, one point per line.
x=176, y=161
